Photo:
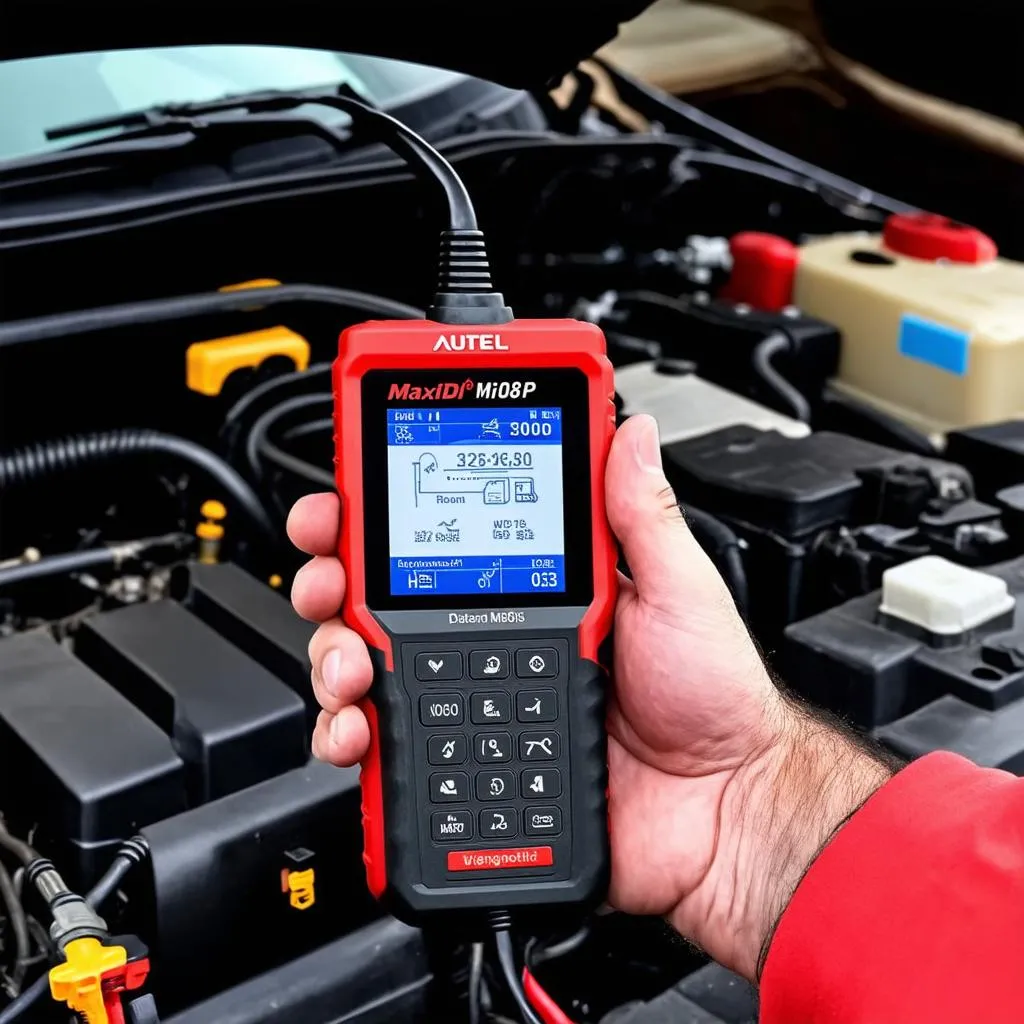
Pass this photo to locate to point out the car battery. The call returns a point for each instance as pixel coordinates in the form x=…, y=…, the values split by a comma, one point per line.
x=934, y=631
x=779, y=494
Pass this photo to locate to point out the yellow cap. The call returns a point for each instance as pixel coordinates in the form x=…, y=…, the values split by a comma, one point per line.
x=210, y=531
x=213, y=509
x=209, y=363
x=275, y=581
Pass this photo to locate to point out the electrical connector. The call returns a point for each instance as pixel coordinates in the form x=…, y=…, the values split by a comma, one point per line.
x=78, y=981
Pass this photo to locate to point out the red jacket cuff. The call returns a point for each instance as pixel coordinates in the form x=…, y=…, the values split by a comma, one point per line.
x=914, y=912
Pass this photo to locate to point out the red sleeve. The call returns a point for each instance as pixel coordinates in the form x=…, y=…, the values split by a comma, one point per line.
x=914, y=913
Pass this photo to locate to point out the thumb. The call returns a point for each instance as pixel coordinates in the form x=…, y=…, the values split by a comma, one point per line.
x=663, y=557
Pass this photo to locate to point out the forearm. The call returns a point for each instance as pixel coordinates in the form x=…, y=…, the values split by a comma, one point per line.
x=777, y=813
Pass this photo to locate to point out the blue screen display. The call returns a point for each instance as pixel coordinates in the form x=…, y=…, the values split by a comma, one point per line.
x=475, y=501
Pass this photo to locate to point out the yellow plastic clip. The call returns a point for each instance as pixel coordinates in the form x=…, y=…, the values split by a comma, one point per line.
x=209, y=363
x=78, y=981
x=301, y=886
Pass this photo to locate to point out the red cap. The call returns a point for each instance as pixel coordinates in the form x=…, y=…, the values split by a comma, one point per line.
x=929, y=236
x=763, y=268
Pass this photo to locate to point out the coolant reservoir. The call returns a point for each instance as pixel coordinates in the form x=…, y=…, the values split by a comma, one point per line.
x=932, y=320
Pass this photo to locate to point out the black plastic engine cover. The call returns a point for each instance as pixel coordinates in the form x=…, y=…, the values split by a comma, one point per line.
x=232, y=722
x=77, y=759
x=220, y=907
x=256, y=619
x=377, y=975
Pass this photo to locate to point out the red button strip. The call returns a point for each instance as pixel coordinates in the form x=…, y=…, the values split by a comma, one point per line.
x=501, y=860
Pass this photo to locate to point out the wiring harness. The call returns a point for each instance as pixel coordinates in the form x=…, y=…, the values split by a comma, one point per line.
x=91, y=969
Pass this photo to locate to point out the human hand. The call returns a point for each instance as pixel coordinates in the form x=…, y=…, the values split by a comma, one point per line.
x=722, y=791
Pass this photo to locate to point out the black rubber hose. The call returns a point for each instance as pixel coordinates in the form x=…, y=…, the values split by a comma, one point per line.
x=17, y=847
x=301, y=381
x=186, y=307
x=57, y=565
x=506, y=959
x=82, y=561
x=724, y=548
x=134, y=851
x=19, y=923
x=476, y=980
x=259, y=446
x=764, y=353
x=847, y=415
x=53, y=458
x=302, y=431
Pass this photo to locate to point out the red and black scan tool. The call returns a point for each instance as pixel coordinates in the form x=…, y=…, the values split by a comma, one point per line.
x=481, y=573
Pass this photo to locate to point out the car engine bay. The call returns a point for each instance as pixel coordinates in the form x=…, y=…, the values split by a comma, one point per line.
x=838, y=378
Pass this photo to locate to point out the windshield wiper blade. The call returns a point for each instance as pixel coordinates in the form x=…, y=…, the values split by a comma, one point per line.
x=185, y=124
x=167, y=116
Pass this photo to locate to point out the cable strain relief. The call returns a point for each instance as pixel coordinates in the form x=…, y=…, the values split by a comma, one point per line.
x=499, y=920
x=37, y=867
x=465, y=294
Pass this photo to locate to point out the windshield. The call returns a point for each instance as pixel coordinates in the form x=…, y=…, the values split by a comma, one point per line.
x=52, y=91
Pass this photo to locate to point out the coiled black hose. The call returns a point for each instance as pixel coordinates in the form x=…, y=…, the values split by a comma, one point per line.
x=48, y=459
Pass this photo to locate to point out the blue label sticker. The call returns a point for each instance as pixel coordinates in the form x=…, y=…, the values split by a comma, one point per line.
x=937, y=344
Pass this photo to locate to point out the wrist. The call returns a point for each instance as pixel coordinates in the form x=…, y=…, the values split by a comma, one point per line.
x=778, y=812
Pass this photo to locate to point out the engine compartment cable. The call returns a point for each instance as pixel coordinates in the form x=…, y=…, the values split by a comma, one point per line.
x=763, y=354
x=300, y=381
x=18, y=848
x=507, y=962
x=259, y=445
x=19, y=926
x=47, y=459
x=186, y=307
x=132, y=852
x=89, y=558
